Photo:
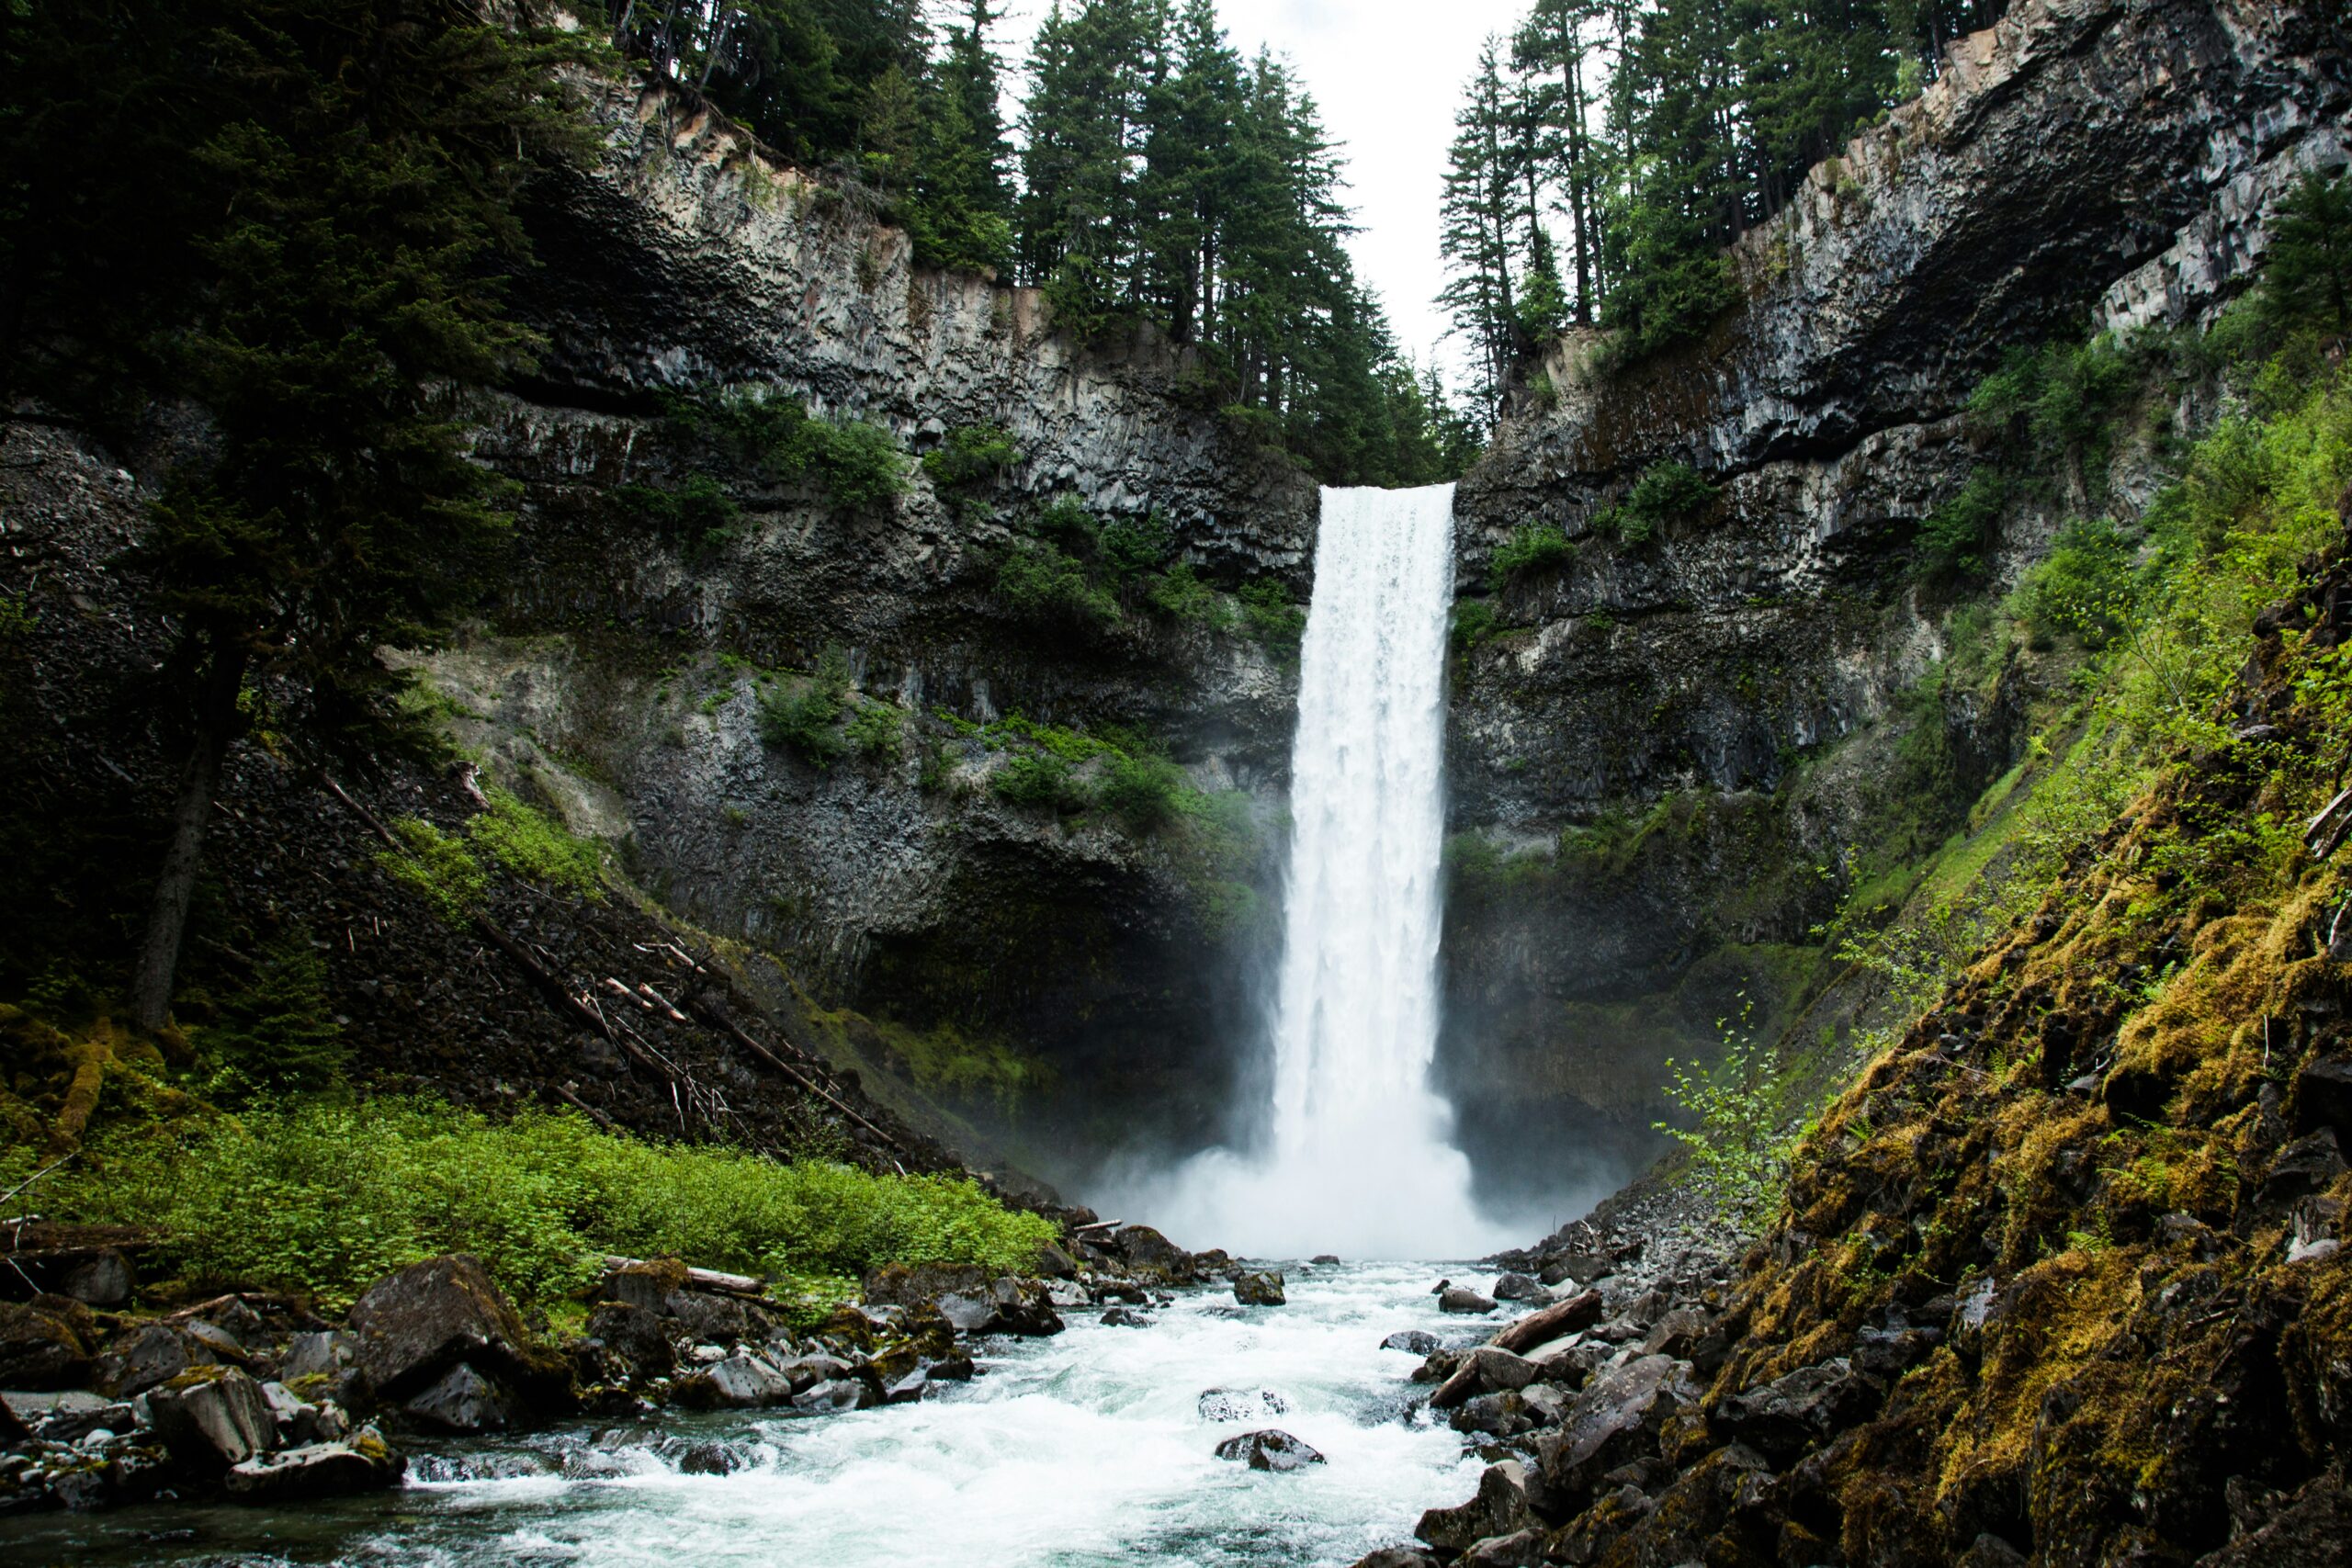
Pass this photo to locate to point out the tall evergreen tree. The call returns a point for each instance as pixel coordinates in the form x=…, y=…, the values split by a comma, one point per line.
x=1478, y=234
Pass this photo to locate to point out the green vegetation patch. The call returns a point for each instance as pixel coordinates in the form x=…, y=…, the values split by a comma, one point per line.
x=328, y=1198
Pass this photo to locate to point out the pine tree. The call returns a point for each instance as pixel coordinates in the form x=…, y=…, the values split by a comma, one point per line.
x=1478, y=236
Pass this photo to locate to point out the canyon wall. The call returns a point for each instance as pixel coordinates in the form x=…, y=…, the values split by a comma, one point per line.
x=1673, y=758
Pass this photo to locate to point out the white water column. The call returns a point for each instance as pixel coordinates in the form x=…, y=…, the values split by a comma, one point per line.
x=1360, y=1160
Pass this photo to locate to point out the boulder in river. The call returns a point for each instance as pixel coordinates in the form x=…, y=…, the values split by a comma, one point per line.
x=412, y=1326
x=317, y=1470
x=462, y=1400
x=740, y=1382
x=1259, y=1288
x=1269, y=1450
x=1241, y=1404
x=1323, y=1260
x=1458, y=1298
x=1126, y=1318
x=1412, y=1341
x=838, y=1395
x=1520, y=1288
x=212, y=1417
x=1500, y=1509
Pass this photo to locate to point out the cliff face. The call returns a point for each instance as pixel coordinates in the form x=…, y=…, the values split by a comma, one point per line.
x=1061, y=967
x=1672, y=758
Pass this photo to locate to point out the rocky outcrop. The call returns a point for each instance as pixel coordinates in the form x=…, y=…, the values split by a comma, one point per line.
x=1667, y=755
x=1046, y=968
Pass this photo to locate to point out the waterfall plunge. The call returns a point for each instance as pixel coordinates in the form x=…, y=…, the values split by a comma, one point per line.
x=1360, y=1160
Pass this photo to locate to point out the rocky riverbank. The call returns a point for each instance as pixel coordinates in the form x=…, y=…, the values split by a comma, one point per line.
x=256, y=1398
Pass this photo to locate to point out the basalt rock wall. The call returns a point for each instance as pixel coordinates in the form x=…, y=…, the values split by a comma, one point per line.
x=1672, y=758
x=1042, y=971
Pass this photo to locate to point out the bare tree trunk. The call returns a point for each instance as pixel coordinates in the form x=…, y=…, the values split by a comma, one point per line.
x=158, y=953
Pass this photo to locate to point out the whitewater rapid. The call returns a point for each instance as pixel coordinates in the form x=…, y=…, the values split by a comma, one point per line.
x=1359, y=1156
x=1085, y=1450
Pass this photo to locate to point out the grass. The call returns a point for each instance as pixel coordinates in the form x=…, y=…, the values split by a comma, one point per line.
x=327, y=1198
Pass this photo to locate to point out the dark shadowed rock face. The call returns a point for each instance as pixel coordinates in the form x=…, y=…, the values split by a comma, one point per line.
x=1710, y=714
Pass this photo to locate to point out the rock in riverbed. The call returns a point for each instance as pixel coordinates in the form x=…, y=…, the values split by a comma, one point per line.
x=1269, y=1450
x=1259, y=1288
x=1458, y=1298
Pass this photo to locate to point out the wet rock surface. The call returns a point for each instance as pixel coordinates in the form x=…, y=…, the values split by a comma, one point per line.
x=1273, y=1450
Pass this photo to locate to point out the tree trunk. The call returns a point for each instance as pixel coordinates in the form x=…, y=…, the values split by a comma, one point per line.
x=159, y=954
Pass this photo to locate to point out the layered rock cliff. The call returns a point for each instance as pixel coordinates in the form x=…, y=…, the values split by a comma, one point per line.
x=1673, y=755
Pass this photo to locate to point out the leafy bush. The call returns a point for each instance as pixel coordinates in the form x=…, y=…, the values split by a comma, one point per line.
x=857, y=464
x=1956, y=535
x=436, y=864
x=1179, y=594
x=1141, y=792
x=805, y=716
x=1040, y=584
x=1740, y=1145
x=1473, y=622
x=1273, y=618
x=536, y=847
x=2082, y=588
x=973, y=454
x=1664, y=492
x=699, y=512
x=1532, y=548
x=876, y=730
x=1039, y=780
x=331, y=1196
x=1133, y=548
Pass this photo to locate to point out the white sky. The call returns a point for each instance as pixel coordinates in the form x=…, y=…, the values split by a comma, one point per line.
x=1387, y=76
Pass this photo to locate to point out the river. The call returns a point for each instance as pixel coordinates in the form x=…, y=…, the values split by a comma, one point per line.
x=1085, y=1450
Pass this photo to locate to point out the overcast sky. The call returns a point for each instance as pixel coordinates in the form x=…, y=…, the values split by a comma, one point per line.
x=1387, y=75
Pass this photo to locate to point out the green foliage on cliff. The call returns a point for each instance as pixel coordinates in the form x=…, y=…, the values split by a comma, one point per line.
x=1958, y=535
x=1532, y=548
x=972, y=456
x=804, y=717
x=452, y=871
x=856, y=464
x=327, y=1198
x=1664, y=493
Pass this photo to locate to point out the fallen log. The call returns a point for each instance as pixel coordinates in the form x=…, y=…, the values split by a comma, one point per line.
x=1578, y=1312
x=700, y=1279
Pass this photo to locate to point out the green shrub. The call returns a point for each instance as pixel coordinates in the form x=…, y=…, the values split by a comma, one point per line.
x=857, y=464
x=279, y=1034
x=1740, y=1143
x=1039, y=780
x=805, y=717
x=436, y=864
x=1133, y=548
x=1141, y=792
x=1664, y=493
x=1065, y=524
x=972, y=456
x=1179, y=594
x=1044, y=586
x=536, y=847
x=878, y=731
x=699, y=512
x=2081, y=588
x=1273, y=618
x=1956, y=537
x=1473, y=622
x=1532, y=548
x=331, y=1196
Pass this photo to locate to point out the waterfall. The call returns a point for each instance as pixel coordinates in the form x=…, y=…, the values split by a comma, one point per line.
x=1360, y=1159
